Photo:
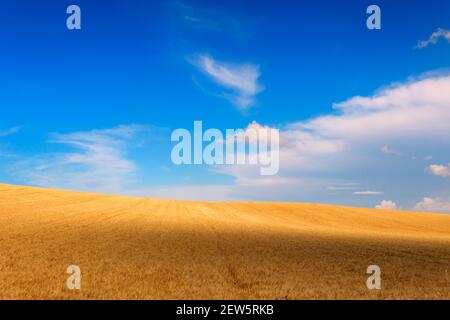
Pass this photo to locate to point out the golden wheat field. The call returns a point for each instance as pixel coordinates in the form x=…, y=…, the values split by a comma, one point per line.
x=133, y=248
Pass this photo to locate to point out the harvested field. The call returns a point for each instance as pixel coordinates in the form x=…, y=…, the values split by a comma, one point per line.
x=135, y=248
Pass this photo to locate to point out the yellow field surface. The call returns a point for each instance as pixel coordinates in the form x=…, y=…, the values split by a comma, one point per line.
x=135, y=248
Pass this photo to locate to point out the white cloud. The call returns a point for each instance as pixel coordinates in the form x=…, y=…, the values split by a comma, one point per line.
x=340, y=142
x=98, y=162
x=413, y=108
x=387, y=205
x=10, y=131
x=240, y=80
x=367, y=193
x=439, y=170
x=388, y=151
x=433, y=205
x=343, y=186
x=435, y=36
x=346, y=143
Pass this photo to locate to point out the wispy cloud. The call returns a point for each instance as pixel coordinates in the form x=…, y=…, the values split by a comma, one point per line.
x=367, y=193
x=439, y=170
x=343, y=186
x=239, y=79
x=97, y=162
x=5, y=133
x=202, y=18
x=207, y=17
x=434, y=38
x=10, y=131
x=196, y=18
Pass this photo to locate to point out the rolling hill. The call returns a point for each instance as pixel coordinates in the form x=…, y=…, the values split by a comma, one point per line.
x=136, y=248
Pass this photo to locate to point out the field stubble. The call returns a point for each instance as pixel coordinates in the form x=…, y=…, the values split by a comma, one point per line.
x=134, y=248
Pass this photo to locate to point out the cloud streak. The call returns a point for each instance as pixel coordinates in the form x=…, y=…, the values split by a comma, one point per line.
x=239, y=80
x=10, y=131
x=367, y=193
x=434, y=38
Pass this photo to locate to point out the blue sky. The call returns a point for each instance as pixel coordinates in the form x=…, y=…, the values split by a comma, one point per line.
x=93, y=109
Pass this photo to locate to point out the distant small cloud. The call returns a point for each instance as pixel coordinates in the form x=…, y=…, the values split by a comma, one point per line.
x=387, y=205
x=203, y=18
x=367, y=193
x=435, y=36
x=343, y=186
x=10, y=131
x=195, y=18
x=207, y=18
x=432, y=205
x=388, y=151
x=439, y=170
x=240, y=80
